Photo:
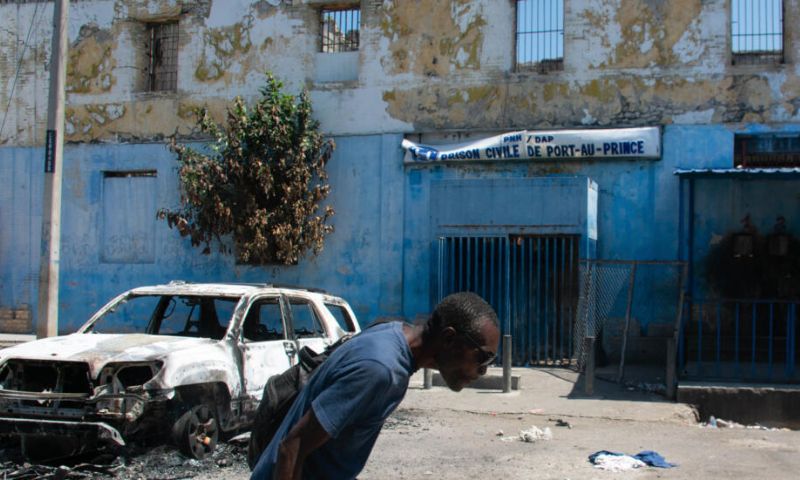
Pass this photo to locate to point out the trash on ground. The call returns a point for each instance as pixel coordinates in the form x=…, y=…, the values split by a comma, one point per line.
x=561, y=423
x=535, y=433
x=618, y=462
x=714, y=422
x=242, y=438
x=615, y=462
x=157, y=463
x=80, y=471
x=659, y=388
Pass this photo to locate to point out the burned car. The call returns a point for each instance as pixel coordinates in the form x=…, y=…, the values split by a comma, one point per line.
x=182, y=361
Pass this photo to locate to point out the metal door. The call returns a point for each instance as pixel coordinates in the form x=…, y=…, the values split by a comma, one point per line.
x=530, y=281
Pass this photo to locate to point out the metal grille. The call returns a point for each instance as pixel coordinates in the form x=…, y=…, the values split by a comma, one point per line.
x=543, y=298
x=740, y=340
x=540, y=35
x=757, y=31
x=162, y=71
x=530, y=281
x=767, y=150
x=339, y=30
x=474, y=264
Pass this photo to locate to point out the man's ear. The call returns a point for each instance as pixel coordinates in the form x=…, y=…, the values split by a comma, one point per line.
x=447, y=335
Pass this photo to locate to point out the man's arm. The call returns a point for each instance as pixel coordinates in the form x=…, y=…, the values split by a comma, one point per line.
x=306, y=436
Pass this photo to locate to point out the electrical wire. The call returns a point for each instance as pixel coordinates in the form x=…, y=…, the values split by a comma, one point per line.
x=19, y=66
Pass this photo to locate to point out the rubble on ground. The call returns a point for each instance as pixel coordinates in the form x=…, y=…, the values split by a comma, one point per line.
x=714, y=422
x=159, y=463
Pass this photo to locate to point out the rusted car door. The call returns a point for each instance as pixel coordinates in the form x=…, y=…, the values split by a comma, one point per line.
x=267, y=348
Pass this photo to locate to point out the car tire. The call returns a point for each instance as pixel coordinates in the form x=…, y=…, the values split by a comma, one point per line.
x=196, y=431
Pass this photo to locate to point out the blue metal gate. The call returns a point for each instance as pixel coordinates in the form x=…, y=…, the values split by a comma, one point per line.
x=530, y=280
x=739, y=340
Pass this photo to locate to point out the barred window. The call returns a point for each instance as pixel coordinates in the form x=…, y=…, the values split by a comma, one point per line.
x=540, y=35
x=767, y=150
x=162, y=57
x=339, y=30
x=757, y=31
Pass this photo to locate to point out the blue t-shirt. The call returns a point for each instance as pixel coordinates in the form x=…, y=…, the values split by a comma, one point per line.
x=352, y=393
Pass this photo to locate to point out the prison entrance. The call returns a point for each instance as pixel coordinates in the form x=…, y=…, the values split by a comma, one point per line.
x=530, y=280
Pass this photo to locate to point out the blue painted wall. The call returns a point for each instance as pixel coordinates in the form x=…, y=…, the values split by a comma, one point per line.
x=21, y=184
x=361, y=260
x=379, y=256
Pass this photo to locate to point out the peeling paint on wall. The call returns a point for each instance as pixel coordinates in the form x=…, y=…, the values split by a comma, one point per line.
x=626, y=63
x=650, y=30
x=221, y=47
x=91, y=61
x=613, y=101
x=447, y=37
x=152, y=118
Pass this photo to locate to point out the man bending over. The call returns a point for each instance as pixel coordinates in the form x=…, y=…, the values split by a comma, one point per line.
x=333, y=424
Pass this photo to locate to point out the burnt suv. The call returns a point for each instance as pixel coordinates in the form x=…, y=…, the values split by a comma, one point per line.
x=184, y=359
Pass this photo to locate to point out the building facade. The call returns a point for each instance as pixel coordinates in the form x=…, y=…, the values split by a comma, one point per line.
x=708, y=85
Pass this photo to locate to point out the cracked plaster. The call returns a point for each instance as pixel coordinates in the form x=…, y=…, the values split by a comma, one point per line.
x=627, y=62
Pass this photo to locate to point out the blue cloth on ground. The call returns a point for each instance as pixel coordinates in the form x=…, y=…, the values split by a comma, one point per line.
x=653, y=459
x=649, y=457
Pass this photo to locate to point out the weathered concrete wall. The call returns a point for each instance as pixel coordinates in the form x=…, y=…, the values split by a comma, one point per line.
x=423, y=66
x=381, y=254
x=362, y=259
x=427, y=67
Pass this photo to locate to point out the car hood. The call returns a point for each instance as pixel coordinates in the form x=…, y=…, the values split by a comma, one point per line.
x=100, y=349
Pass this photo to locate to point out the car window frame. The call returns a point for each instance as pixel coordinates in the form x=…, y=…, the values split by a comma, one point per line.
x=253, y=301
x=350, y=320
x=326, y=334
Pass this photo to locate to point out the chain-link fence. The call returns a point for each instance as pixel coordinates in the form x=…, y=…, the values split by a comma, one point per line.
x=624, y=300
x=600, y=287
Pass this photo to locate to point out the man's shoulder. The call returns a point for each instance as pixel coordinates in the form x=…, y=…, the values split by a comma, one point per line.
x=383, y=333
x=380, y=349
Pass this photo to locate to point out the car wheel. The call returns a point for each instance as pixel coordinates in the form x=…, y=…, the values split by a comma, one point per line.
x=196, y=431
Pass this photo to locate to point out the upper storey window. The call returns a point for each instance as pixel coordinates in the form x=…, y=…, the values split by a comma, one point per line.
x=540, y=35
x=339, y=30
x=776, y=150
x=162, y=57
x=757, y=31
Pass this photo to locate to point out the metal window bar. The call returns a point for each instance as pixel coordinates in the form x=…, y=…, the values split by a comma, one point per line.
x=540, y=34
x=757, y=31
x=339, y=30
x=767, y=150
x=761, y=333
x=526, y=280
x=162, y=57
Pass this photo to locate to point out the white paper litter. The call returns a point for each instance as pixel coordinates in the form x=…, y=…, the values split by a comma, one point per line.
x=617, y=463
x=535, y=433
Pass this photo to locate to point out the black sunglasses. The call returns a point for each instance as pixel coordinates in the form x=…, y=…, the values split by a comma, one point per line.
x=487, y=356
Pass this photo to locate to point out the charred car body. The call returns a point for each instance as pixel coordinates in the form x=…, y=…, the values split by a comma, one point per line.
x=187, y=360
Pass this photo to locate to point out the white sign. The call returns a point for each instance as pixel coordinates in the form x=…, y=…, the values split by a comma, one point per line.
x=642, y=142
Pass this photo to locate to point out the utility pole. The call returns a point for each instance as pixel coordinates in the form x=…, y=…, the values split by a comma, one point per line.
x=47, y=311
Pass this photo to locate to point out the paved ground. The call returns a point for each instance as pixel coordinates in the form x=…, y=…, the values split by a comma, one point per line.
x=441, y=434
